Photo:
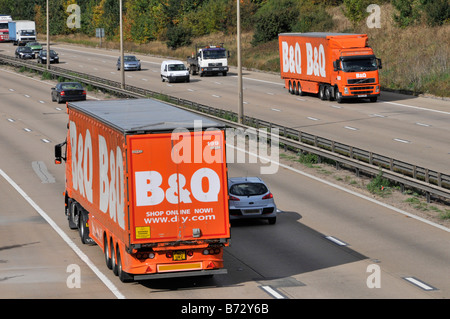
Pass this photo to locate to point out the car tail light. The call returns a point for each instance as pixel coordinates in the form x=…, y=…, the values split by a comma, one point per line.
x=63, y=93
x=84, y=92
x=268, y=196
x=234, y=198
x=169, y=254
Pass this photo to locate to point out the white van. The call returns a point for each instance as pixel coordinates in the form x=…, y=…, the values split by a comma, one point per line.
x=174, y=71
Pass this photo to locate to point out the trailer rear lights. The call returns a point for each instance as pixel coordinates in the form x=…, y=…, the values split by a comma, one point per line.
x=169, y=255
x=190, y=253
x=211, y=251
x=210, y=265
x=145, y=255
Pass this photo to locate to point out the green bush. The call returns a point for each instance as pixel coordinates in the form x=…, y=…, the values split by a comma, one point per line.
x=272, y=18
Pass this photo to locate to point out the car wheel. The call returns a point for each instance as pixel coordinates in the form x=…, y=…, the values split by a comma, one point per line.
x=53, y=98
x=272, y=220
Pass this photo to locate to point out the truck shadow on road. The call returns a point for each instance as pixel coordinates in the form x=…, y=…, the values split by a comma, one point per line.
x=261, y=252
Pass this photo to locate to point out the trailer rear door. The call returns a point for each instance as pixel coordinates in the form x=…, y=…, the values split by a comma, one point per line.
x=178, y=187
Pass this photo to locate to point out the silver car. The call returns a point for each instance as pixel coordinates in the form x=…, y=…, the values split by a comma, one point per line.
x=249, y=197
x=130, y=62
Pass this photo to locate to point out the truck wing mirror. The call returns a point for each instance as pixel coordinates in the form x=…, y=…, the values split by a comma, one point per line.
x=380, y=66
x=58, y=153
x=336, y=65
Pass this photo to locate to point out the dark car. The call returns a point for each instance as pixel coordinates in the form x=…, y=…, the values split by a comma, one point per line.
x=130, y=62
x=249, y=197
x=68, y=91
x=42, y=57
x=24, y=53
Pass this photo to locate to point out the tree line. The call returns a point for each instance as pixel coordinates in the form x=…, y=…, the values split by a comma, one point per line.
x=178, y=21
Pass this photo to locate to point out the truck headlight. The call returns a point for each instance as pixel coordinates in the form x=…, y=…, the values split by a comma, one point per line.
x=346, y=90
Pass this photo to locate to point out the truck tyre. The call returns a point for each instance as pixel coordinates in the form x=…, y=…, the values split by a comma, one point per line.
x=123, y=276
x=83, y=228
x=322, y=92
x=291, y=89
x=72, y=216
x=107, y=253
x=337, y=95
x=224, y=73
x=327, y=93
x=373, y=98
x=299, y=89
x=113, y=258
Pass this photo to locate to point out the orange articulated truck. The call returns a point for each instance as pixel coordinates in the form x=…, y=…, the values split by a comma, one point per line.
x=333, y=65
x=147, y=182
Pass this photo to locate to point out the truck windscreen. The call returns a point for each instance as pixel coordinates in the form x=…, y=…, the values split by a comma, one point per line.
x=358, y=65
x=214, y=54
x=27, y=32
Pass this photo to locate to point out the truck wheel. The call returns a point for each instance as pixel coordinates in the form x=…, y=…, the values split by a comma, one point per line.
x=327, y=93
x=107, y=253
x=291, y=90
x=72, y=216
x=224, y=73
x=299, y=89
x=322, y=92
x=83, y=229
x=113, y=258
x=337, y=95
x=373, y=98
x=123, y=276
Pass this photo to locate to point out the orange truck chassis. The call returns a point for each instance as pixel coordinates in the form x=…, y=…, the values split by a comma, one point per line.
x=147, y=182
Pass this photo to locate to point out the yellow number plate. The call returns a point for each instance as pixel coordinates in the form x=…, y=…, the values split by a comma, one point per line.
x=179, y=255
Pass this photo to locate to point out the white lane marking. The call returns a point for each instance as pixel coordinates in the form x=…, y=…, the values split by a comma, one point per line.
x=312, y=118
x=377, y=115
x=351, y=128
x=395, y=209
x=273, y=292
x=276, y=110
x=11, y=120
x=217, y=96
x=423, y=124
x=44, y=139
x=66, y=238
x=402, y=141
x=419, y=283
x=417, y=108
x=336, y=241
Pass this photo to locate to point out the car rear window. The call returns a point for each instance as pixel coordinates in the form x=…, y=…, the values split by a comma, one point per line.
x=71, y=86
x=248, y=189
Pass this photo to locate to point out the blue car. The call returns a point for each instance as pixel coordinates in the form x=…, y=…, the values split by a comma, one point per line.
x=130, y=62
x=249, y=197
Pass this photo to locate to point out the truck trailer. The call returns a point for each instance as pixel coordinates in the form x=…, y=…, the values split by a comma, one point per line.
x=22, y=31
x=333, y=65
x=147, y=182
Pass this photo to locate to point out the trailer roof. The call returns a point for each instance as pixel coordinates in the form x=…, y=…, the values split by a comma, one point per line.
x=142, y=115
x=320, y=34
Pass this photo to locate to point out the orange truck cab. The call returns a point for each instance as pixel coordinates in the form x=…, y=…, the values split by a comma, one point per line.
x=336, y=66
x=147, y=182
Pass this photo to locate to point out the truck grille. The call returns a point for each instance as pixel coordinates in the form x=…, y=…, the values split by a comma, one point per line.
x=214, y=64
x=362, y=90
x=361, y=81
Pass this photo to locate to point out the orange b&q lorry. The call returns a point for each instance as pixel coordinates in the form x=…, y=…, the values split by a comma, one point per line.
x=147, y=182
x=333, y=65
